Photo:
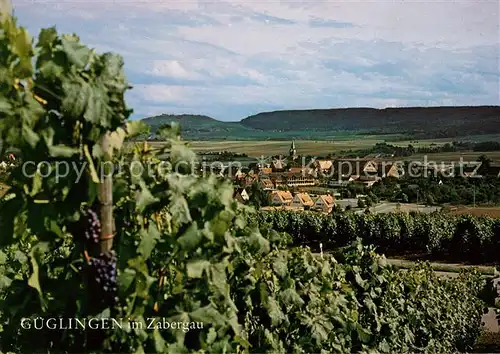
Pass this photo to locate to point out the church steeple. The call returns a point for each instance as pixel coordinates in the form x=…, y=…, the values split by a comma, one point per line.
x=293, y=150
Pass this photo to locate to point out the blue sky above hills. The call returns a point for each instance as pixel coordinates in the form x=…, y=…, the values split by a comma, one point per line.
x=232, y=59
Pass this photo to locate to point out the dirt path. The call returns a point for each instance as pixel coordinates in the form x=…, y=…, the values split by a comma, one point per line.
x=444, y=267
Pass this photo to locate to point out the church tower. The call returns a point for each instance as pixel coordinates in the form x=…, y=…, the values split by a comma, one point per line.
x=293, y=151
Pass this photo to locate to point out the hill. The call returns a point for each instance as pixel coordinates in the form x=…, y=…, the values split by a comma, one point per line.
x=198, y=126
x=317, y=124
x=433, y=122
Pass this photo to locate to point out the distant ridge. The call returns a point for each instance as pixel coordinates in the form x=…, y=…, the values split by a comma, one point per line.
x=417, y=122
x=198, y=126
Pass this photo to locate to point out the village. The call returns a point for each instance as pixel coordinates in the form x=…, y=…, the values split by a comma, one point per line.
x=294, y=185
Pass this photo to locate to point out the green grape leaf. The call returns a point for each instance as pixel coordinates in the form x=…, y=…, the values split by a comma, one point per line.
x=159, y=341
x=4, y=282
x=211, y=336
x=179, y=209
x=260, y=244
x=20, y=257
x=30, y=136
x=290, y=297
x=139, y=350
x=169, y=131
x=137, y=127
x=77, y=95
x=46, y=37
x=3, y=258
x=5, y=106
x=208, y=315
x=50, y=69
x=363, y=334
x=62, y=151
x=191, y=238
x=144, y=198
x=148, y=242
x=37, y=184
x=96, y=107
x=21, y=45
x=77, y=53
x=125, y=279
x=35, y=255
x=195, y=268
x=116, y=140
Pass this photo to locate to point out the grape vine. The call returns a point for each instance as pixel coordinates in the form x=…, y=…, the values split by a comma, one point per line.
x=456, y=238
x=89, y=229
x=102, y=275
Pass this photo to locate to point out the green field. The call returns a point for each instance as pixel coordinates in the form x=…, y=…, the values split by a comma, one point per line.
x=325, y=147
x=304, y=147
x=456, y=156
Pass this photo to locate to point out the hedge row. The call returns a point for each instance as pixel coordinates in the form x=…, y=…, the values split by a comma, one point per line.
x=461, y=238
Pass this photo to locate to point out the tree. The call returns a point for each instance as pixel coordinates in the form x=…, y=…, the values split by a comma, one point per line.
x=361, y=203
x=484, y=159
x=336, y=209
x=258, y=196
x=485, y=164
x=373, y=198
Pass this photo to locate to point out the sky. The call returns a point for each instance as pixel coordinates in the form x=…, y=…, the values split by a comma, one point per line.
x=232, y=59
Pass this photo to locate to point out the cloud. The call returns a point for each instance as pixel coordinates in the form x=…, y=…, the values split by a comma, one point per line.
x=321, y=22
x=230, y=59
x=172, y=69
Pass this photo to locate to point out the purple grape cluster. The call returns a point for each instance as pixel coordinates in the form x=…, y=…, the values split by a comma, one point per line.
x=91, y=226
x=103, y=275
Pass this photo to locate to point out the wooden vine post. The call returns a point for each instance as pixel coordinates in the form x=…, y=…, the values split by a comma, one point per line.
x=106, y=196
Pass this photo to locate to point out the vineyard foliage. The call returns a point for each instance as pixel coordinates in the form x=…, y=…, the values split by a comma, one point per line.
x=186, y=251
x=303, y=303
x=460, y=238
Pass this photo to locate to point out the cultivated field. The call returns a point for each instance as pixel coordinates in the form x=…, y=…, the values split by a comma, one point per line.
x=268, y=147
x=456, y=156
x=324, y=147
x=304, y=147
x=479, y=211
x=387, y=207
